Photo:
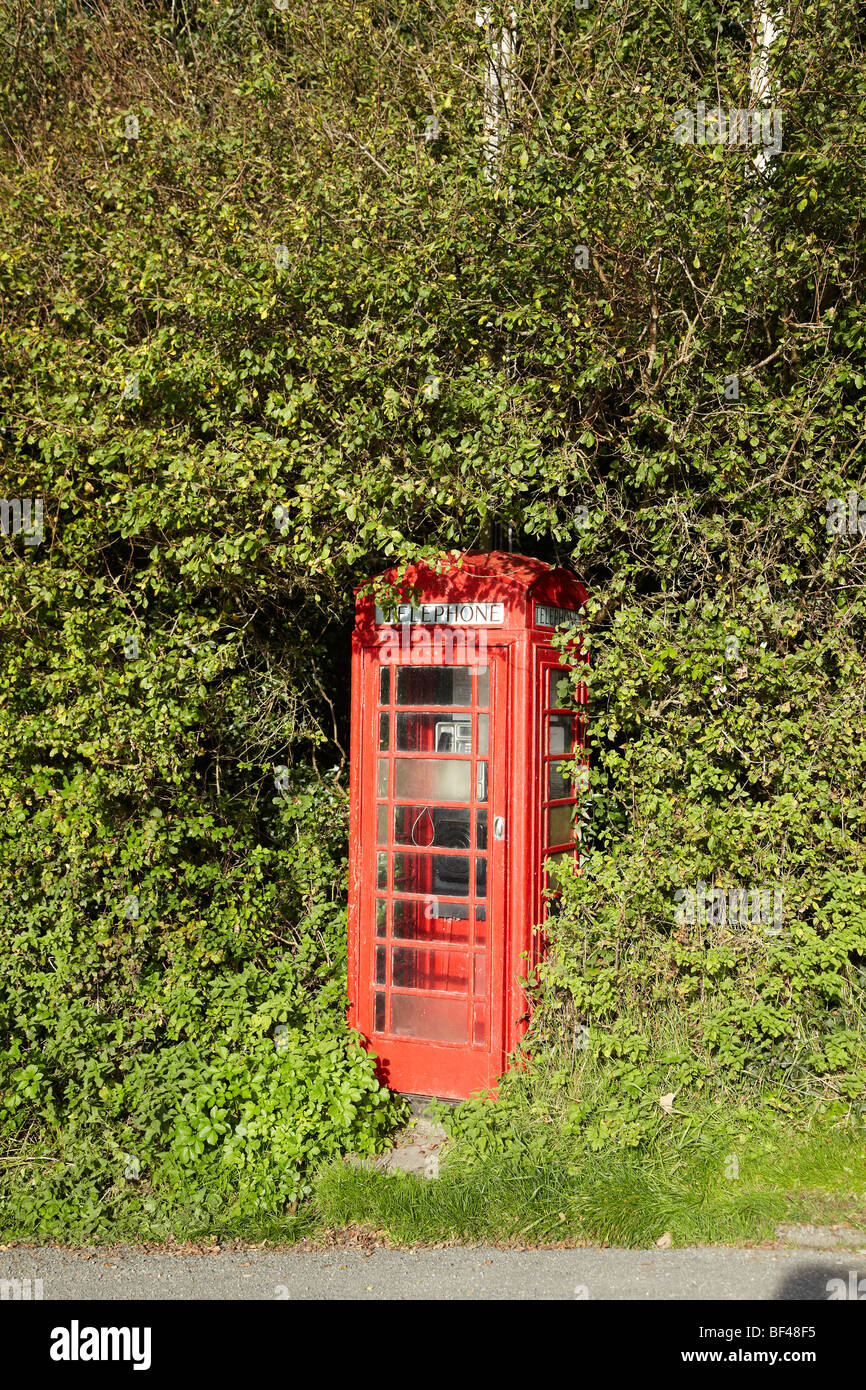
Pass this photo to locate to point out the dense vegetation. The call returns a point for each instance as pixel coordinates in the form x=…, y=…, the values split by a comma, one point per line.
x=231, y=264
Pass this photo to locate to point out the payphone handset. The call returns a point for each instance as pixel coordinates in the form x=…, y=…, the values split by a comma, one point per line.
x=453, y=736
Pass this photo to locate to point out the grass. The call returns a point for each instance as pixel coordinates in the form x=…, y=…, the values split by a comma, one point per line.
x=690, y=1189
x=724, y=1172
x=626, y=1198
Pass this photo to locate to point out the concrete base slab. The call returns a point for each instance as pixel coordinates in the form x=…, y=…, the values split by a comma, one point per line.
x=416, y=1150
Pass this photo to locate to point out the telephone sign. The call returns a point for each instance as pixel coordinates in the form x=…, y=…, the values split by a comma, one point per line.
x=448, y=614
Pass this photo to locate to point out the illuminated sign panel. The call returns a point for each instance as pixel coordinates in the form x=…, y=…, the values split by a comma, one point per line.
x=548, y=616
x=446, y=614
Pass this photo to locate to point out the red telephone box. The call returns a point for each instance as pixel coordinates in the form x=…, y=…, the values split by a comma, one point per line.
x=458, y=796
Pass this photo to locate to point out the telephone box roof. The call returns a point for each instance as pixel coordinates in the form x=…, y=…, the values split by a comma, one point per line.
x=522, y=570
x=497, y=577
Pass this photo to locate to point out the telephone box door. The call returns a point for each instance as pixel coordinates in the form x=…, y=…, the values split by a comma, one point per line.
x=432, y=924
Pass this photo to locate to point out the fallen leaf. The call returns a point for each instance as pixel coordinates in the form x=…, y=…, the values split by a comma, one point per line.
x=667, y=1102
x=664, y=1242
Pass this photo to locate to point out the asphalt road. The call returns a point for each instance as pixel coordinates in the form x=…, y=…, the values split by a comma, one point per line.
x=453, y=1273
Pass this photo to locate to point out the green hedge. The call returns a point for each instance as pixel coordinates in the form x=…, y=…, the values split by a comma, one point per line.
x=230, y=263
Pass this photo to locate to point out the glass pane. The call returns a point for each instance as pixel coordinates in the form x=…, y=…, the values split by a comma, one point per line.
x=381, y=825
x=382, y=778
x=434, y=685
x=430, y=733
x=558, y=689
x=483, y=687
x=481, y=974
x=384, y=685
x=483, y=725
x=381, y=917
x=480, y=829
x=559, y=727
x=379, y=1014
x=381, y=869
x=432, y=779
x=432, y=874
x=451, y=875
x=383, y=731
x=430, y=919
x=479, y=1025
x=380, y=965
x=481, y=878
x=424, y=826
x=481, y=782
x=481, y=926
x=558, y=784
x=559, y=861
x=416, y=967
x=420, y=1016
x=559, y=826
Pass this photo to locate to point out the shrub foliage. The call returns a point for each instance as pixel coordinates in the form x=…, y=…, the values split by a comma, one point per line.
x=231, y=265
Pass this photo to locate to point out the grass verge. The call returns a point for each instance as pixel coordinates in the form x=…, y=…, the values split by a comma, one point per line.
x=706, y=1192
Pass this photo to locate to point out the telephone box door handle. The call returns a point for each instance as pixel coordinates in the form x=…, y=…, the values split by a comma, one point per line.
x=499, y=827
